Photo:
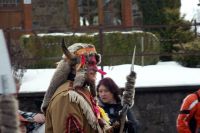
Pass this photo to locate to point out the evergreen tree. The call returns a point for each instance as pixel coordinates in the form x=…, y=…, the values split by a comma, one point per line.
x=173, y=27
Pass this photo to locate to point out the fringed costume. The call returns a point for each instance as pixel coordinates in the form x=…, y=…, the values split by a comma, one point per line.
x=69, y=103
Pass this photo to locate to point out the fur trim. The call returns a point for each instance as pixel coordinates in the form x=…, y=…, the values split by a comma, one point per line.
x=85, y=106
x=60, y=76
x=129, y=91
x=9, y=122
x=76, y=46
x=80, y=78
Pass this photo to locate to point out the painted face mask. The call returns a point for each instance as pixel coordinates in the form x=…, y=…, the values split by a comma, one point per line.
x=90, y=62
x=83, y=58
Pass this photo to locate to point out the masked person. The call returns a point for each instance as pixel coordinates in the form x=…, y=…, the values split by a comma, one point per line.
x=69, y=102
x=110, y=101
x=188, y=120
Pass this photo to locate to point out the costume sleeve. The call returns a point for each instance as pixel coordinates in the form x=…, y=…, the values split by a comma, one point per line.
x=73, y=125
x=48, y=123
x=64, y=116
x=185, y=113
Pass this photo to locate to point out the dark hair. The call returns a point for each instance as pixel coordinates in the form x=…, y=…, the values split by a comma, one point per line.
x=111, y=86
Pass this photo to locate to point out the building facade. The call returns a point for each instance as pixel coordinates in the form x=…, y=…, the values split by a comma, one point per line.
x=41, y=15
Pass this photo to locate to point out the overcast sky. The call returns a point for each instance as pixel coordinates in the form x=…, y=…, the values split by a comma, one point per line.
x=189, y=7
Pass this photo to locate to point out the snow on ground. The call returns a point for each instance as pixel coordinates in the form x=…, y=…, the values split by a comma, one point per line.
x=159, y=75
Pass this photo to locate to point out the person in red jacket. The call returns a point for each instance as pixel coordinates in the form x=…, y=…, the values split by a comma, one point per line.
x=188, y=120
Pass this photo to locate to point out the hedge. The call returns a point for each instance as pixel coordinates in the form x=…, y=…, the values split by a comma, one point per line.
x=118, y=47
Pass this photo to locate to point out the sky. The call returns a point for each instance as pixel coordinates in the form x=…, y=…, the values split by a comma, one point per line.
x=189, y=8
x=159, y=75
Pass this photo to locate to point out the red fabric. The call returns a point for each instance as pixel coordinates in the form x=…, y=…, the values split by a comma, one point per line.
x=92, y=64
x=73, y=126
x=83, y=60
x=189, y=108
x=101, y=72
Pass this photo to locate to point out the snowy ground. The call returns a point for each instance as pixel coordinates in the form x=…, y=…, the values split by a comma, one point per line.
x=161, y=74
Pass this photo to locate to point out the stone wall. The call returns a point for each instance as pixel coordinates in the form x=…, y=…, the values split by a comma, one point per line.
x=155, y=108
x=157, y=111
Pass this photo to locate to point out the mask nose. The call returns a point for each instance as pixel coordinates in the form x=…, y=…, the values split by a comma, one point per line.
x=92, y=60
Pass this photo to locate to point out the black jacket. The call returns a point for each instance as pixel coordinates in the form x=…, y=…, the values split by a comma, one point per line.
x=113, y=112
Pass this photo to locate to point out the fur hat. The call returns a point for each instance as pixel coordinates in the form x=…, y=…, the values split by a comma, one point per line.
x=84, y=58
x=78, y=50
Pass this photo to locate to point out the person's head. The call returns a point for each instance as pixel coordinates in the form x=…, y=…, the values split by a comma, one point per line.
x=79, y=64
x=84, y=60
x=108, y=91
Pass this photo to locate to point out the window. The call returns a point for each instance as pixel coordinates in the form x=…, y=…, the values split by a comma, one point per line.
x=104, y=12
x=88, y=12
x=9, y=3
x=112, y=12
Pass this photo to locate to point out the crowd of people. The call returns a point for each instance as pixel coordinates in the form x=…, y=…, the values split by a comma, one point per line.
x=73, y=103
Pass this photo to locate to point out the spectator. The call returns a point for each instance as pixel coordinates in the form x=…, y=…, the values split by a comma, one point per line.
x=188, y=120
x=23, y=123
x=29, y=121
x=110, y=101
